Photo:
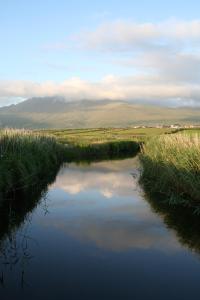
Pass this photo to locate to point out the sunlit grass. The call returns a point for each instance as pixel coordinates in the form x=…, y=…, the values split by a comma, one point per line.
x=171, y=166
x=103, y=135
x=25, y=158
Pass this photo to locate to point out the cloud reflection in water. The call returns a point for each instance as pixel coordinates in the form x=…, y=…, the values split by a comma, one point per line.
x=103, y=204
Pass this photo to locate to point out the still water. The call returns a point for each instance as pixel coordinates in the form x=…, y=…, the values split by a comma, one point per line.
x=93, y=235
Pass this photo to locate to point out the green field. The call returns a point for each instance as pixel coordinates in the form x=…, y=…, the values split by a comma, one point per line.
x=104, y=135
x=191, y=131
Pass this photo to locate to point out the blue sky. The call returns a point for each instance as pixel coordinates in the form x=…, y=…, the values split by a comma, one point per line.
x=61, y=41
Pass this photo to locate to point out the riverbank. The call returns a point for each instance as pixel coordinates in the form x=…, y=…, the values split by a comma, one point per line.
x=171, y=168
x=26, y=158
x=101, y=151
x=171, y=165
x=103, y=143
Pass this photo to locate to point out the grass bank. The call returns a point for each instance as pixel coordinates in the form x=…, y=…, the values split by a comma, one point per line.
x=171, y=168
x=26, y=158
x=103, y=143
x=101, y=151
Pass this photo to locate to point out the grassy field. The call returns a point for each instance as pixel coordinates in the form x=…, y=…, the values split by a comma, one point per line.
x=191, y=131
x=171, y=167
x=103, y=143
x=103, y=135
x=171, y=164
x=26, y=158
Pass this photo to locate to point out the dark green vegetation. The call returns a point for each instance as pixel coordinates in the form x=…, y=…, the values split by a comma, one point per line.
x=55, y=112
x=25, y=160
x=102, y=143
x=102, y=151
x=171, y=168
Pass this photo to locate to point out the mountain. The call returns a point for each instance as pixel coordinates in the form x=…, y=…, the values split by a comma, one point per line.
x=55, y=112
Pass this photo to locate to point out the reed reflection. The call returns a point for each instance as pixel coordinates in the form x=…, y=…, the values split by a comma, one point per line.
x=183, y=220
x=15, y=221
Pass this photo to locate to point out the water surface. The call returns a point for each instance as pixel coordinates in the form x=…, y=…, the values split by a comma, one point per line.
x=94, y=236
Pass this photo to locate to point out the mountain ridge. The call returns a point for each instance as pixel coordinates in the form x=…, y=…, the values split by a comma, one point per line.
x=55, y=112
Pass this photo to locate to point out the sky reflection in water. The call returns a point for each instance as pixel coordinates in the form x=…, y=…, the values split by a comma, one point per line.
x=102, y=203
x=95, y=237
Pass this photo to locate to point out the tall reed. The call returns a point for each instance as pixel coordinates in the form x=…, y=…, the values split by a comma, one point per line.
x=171, y=167
x=25, y=158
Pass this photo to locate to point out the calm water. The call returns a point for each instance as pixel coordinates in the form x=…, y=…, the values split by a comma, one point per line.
x=94, y=236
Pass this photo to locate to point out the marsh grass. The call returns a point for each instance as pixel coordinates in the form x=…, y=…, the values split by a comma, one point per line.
x=103, y=143
x=171, y=167
x=26, y=158
x=101, y=151
x=85, y=137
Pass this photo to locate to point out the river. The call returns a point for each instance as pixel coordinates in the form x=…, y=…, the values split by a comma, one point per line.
x=94, y=235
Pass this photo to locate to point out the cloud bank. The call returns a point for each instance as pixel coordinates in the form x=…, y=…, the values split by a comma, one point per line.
x=163, y=57
x=139, y=88
x=129, y=36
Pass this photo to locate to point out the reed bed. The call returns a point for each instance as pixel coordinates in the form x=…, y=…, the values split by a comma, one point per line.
x=171, y=167
x=26, y=158
x=101, y=151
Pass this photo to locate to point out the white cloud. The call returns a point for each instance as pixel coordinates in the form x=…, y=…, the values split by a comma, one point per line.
x=146, y=88
x=128, y=35
x=164, y=58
